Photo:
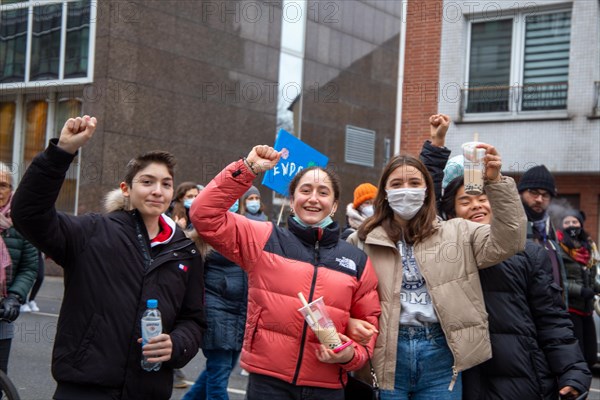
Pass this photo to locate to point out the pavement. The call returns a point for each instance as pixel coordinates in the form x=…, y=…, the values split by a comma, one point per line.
x=30, y=356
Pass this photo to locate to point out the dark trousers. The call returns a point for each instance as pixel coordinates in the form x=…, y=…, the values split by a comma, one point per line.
x=262, y=387
x=4, y=353
x=585, y=332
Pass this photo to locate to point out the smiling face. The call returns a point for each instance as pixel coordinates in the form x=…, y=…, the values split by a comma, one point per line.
x=313, y=198
x=475, y=208
x=151, y=190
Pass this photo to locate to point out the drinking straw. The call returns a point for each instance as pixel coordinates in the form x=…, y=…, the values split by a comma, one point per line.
x=305, y=303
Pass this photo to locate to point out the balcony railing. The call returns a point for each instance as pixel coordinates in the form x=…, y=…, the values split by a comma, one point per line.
x=514, y=99
x=596, y=111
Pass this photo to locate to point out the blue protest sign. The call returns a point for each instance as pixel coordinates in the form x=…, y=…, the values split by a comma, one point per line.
x=296, y=156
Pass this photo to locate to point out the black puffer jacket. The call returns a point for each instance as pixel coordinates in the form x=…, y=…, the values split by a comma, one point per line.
x=226, y=303
x=533, y=345
x=110, y=271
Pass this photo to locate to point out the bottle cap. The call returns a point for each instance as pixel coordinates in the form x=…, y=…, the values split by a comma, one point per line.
x=152, y=303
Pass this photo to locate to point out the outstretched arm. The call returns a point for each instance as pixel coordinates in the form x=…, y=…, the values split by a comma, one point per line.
x=33, y=206
x=434, y=154
x=236, y=237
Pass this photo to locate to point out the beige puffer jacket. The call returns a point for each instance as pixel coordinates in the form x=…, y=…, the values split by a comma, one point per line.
x=449, y=261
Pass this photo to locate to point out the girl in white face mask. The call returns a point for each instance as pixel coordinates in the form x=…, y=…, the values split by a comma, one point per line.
x=428, y=278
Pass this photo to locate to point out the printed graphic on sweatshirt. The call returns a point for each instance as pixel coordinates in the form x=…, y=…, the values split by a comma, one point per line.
x=414, y=290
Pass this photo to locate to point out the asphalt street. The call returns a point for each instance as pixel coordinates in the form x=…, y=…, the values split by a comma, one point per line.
x=29, y=365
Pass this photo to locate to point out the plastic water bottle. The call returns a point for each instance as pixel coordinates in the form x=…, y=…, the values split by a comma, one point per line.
x=151, y=326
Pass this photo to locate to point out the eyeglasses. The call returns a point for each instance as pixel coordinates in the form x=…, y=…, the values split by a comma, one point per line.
x=5, y=186
x=537, y=193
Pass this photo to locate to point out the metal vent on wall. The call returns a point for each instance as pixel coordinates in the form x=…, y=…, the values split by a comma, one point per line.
x=360, y=146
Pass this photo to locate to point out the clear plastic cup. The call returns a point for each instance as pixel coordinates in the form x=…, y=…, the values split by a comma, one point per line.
x=473, y=168
x=318, y=319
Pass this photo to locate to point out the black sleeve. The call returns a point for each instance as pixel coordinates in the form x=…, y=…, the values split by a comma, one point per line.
x=435, y=159
x=554, y=328
x=33, y=207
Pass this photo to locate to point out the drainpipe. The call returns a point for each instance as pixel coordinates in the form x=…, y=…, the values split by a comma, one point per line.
x=398, y=130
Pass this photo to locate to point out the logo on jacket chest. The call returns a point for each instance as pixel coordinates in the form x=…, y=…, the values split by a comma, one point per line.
x=346, y=263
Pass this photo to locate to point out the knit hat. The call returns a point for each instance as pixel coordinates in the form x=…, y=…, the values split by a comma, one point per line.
x=454, y=168
x=537, y=177
x=580, y=215
x=250, y=192
x=362, y=193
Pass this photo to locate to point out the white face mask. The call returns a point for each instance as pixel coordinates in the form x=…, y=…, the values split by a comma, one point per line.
x=367, y=210
x=406, y=203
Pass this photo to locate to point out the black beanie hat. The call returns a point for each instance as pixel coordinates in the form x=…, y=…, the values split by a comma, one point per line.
x=537, y=177
x=580, y=215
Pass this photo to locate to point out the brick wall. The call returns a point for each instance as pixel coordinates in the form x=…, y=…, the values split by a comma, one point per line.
x=588, y=188
x=421, y=72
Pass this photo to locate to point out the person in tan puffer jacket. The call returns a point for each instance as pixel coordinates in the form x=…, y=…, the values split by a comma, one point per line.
x=433, y=323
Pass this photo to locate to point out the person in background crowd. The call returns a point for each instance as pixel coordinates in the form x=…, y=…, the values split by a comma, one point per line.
x=18, y=267
x=30, y=304
x=526, y=316
x=251, y=206
x=537, y=188
x=185, y=194
x=226, y=297
x=435, y=301
x=581, y=258
x=282, y=354
x=179, y=210
x=360, y=209
x=113, y=263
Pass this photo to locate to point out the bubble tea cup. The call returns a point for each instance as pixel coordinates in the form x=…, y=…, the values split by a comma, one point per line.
x=318, y=319
x=473, y=168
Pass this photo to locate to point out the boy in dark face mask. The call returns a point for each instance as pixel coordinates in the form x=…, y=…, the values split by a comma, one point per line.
x=537, y=189
x=580, y=256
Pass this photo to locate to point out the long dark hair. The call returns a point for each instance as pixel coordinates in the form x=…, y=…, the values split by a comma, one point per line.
x=421, y=226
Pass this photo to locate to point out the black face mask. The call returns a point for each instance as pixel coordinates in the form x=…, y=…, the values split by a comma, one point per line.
x=533, y=215
x=573, y=232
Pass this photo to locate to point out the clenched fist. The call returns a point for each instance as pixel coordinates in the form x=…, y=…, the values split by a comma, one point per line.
x=76, y=132
x=262, y=158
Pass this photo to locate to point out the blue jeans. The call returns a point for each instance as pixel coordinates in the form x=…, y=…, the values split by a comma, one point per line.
x=212, y=382
x=262, y=387
x=423, y=366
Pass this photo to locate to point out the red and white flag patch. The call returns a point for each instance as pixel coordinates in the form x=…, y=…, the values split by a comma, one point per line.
x=182, y=267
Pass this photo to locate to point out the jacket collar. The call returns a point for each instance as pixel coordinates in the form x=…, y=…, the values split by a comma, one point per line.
x=379, y=237
x=326, y=237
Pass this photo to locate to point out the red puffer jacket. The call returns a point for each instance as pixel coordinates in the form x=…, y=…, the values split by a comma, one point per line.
x=280, y=263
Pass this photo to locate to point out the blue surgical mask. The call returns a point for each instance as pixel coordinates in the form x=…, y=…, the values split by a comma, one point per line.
x=323, y=224
x=234, y=208
x=187, y=203
x=253, y=206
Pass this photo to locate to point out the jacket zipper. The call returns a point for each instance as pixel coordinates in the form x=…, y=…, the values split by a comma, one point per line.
x=305, y=325
x=454, y=377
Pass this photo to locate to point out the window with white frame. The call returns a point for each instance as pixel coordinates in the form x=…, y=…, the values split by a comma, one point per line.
x=46, y=41
x=27, y=122
x=518, y=64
